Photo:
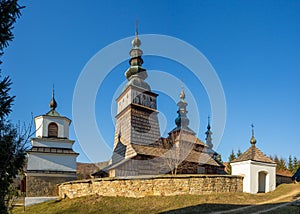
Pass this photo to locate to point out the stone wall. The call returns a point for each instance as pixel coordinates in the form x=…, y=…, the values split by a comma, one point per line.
x=44, y=185
x=162, y=185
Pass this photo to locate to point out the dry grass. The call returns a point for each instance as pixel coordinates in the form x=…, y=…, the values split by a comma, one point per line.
x=155, y=204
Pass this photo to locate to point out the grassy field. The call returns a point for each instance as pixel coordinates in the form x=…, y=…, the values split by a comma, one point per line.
x=173, y=204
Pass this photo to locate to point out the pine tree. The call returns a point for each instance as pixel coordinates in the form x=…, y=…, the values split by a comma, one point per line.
x=290, y=164
x=239, y=153
x=281, y=164
x=295, y=164
x=271, y=157
x=9, y=12
x=276, y=159
x=12, y=146
x=231, y=158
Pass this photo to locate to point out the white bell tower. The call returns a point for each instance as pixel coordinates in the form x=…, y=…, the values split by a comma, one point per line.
x=51, y=159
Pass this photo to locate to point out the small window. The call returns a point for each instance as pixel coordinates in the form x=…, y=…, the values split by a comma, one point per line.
x=52, y=130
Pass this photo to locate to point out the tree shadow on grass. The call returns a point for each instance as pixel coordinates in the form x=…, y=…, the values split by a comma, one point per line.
x=211, y=208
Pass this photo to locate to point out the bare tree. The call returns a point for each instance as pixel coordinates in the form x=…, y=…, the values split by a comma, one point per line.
x=178, y=152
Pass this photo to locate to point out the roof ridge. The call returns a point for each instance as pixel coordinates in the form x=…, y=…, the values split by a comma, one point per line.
x=254, y=154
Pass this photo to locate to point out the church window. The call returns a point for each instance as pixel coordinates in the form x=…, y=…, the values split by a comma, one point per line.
x=52, y=130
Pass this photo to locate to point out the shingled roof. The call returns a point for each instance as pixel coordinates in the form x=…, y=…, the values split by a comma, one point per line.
x=254, y=154
x=192, y=156
x=187, y=137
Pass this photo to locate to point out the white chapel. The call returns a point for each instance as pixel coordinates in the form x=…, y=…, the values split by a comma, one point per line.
x=258, y=170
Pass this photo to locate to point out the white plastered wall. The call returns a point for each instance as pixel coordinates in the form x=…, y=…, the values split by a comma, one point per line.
x=42, y=122
x=250, y=170
x=52, y=162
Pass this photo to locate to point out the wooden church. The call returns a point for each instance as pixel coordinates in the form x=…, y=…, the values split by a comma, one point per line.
x=139, y=148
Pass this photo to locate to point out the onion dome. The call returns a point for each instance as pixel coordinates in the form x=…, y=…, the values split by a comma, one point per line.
x=136, y=74
x=182, y=95
x=182, y=120
x=136, y=42
x=253, y=140
x=53, y=103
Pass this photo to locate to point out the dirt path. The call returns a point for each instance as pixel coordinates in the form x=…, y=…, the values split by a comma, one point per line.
x=274, y=200
x=278, y=206
x=292, y=193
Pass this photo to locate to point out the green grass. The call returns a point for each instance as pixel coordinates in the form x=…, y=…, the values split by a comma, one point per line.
x=156, y=204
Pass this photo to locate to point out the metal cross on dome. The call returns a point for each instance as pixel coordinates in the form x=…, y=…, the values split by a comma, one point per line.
x=136, y=27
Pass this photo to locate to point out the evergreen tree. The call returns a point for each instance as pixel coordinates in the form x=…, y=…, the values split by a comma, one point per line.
x=276, y=159
x=9, y=12
x=239, y=153
x=290, y=164
x=12, y=157
x=296, y=164
x=281, y=165
x=271, y=157
x=12, y=146
x=231, y=158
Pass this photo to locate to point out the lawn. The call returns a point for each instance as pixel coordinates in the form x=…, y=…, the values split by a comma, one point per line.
x=171, y=204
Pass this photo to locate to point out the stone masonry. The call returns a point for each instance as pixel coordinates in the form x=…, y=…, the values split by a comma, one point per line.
x=43, y=185
x=163, y=185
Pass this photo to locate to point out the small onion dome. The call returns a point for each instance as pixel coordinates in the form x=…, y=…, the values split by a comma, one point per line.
x=53, y=104
x=182, y=95
x=136, y=51
x=253, y=140
x=182, y=120
x=136, y=42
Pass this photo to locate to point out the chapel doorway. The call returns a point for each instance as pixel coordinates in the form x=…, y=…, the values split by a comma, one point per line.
x=262, y=181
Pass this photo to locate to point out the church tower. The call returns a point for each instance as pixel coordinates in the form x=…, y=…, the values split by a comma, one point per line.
x=137, y=121
x=51, y=160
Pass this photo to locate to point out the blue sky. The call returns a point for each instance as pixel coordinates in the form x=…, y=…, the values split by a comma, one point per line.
x=253, y=46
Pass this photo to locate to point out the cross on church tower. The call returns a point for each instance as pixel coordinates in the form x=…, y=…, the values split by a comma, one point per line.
x=136, y=27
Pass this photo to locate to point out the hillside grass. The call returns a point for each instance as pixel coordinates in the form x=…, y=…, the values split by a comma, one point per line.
x=170, y=204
